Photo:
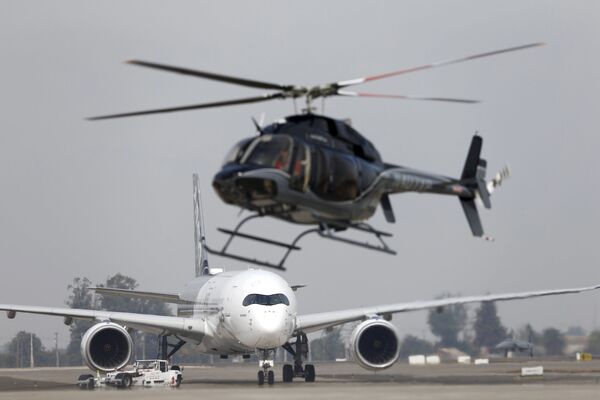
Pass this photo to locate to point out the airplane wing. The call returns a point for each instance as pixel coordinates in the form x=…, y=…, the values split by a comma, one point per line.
x=164, y=297
x=148, y=323
x=315, y=322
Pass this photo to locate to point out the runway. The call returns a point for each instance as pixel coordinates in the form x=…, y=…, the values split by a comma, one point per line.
x=561, y=380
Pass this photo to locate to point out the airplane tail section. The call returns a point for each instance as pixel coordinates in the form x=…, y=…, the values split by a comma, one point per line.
x=199, y=239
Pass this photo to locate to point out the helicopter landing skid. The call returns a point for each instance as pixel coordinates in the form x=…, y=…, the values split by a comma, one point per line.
x=328, y=231
x=325, y=230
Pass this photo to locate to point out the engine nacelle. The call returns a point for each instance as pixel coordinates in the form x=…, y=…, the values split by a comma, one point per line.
x=106, y=347
x=374, y=344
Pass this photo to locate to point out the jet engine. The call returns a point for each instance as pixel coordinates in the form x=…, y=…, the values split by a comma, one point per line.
x=375, y=344
x=106, y=347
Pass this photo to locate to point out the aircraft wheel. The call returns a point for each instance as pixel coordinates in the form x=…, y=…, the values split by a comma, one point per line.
x=309, y=373
x=261, y=378
x=88, y=382
x=270, y=377
x=288, y=373
x=126, y=381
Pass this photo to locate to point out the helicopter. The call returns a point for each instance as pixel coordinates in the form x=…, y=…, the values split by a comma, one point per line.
x=310, y=169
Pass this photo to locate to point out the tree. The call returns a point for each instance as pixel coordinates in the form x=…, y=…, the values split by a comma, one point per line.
x=413, y=345
x=328, y=347
x=19, y=351
x=447, y=323
x=80, y=297
x=553, y=341
x=127, y=304
x=488, y=328
x=529, y=334
x=144, y=343
x=593, y=345
x=575, y=331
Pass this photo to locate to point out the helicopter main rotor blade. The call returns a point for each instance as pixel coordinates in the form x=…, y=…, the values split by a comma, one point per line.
x=265, y=97
x=394, y=96
x=212, y=76
x=432, y=65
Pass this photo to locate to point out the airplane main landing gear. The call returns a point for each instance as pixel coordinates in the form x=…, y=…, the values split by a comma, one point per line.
x=299, y=350
x=266, y=364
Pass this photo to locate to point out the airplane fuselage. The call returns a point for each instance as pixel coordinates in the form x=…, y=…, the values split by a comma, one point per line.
x=241, y=311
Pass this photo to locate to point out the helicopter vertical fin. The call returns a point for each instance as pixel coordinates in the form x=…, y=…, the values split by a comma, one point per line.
x=472, y=161
x=388, y=212
x=199, y=239
x=473, y=176
x=472, y=215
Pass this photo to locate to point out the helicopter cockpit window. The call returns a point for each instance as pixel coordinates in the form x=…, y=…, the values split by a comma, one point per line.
x=237, y=151
x=270, y=151
x=266, y=300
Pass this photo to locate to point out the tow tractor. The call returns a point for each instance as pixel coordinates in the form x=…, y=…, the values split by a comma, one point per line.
x=146, y=373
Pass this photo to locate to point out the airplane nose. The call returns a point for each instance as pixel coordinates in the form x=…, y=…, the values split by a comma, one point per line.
x=270, y=328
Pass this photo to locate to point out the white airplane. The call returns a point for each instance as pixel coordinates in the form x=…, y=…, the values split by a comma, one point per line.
x=245, y=312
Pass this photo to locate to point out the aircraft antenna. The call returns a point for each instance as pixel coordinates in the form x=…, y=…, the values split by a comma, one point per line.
x=199, y=238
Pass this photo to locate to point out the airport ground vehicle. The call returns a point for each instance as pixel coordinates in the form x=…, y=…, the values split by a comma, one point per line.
x=146, y=373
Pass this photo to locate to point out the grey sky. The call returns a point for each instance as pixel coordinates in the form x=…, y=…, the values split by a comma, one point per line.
x=92, y=199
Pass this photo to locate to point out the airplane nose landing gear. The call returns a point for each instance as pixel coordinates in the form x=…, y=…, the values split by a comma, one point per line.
x=299, y=350
x=265, y=362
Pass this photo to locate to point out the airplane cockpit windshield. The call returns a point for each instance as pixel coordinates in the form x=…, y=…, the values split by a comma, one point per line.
x=270, y=151
x=266, y=300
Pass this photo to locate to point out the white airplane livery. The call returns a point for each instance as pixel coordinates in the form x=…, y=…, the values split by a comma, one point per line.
x=242, y=313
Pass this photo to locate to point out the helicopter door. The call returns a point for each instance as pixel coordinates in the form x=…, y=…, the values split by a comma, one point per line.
x=300, y=168
x=335, y=176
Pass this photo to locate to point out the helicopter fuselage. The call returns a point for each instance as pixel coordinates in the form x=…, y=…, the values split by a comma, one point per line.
x=308, y=169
